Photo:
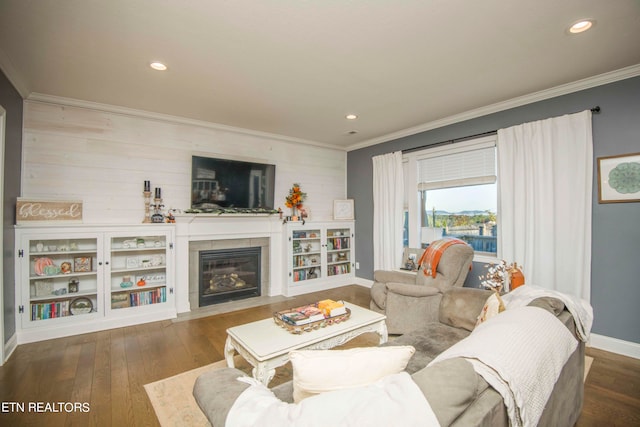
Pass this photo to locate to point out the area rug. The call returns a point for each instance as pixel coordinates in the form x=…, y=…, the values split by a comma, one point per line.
x=175, y=406
x=172, y=397
x=173, y=401
x=588, y=360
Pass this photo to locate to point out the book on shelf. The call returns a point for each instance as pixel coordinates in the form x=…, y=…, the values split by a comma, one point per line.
x=49, y=310
x=137, y=298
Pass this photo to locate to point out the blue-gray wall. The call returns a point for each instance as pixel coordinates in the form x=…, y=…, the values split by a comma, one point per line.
x=615, y=267
x=11, y=101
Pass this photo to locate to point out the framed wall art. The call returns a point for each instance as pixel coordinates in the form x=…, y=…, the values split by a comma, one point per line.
x=619, y=178
x=343, y=209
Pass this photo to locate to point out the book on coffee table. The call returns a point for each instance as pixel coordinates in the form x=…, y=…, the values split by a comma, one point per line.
x=302, y=315
x=312, y=316
x=331, y=308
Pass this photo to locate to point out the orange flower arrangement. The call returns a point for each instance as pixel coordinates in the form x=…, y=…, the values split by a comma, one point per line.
x=295, y=197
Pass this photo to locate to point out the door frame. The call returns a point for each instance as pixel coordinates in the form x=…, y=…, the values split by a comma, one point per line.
x=3, y=121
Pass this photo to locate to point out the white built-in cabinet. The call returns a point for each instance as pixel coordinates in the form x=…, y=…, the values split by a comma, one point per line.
x=320, y=255
x=78, y=279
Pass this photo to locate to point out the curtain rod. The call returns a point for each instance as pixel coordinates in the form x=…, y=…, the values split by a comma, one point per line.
x=594, y=110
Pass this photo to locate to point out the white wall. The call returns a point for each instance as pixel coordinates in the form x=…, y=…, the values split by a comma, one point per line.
x=103, y=157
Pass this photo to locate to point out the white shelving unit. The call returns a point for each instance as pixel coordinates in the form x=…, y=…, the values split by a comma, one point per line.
x=78, y=279
x=319, y=256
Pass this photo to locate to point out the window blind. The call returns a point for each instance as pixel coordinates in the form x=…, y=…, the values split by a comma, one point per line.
x=473, y=167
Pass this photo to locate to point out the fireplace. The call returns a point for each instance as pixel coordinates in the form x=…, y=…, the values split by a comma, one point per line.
x=229, y=274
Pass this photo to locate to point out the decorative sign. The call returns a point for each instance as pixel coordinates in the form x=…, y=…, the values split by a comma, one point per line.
x=343, y=209
x=31, y=211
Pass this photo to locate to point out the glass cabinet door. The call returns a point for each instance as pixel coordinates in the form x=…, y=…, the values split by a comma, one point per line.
x=338, y=251
x=63, y=277
x=138, y=271
x=306, y=250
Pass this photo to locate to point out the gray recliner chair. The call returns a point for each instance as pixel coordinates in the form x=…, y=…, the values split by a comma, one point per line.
x=412, y=299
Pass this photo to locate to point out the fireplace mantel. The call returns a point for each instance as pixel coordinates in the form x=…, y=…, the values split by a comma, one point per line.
x=202, y=227
x=213, y=226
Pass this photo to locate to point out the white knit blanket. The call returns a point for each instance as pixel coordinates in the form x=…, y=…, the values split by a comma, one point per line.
x=393, y=401
x=580, y=309
x=520, y=353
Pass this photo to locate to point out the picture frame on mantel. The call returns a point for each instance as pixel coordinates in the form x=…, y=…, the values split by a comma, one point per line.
x=343, y=209
x=619, y=178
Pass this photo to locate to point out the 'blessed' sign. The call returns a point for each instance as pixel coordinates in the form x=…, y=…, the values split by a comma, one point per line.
x=48, y=210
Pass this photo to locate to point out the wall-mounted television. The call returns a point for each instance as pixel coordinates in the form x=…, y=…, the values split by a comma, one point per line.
x=222, y=183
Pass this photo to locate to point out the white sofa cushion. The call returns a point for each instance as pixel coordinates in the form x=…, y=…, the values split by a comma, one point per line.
x=318, y=371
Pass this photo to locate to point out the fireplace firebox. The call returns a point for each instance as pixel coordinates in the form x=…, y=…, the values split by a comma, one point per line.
x=229, y=274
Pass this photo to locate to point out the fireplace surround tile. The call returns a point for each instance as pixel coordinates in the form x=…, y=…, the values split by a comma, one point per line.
x=207, y=245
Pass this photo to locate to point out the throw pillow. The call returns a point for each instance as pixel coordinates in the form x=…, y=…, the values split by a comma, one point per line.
x=492, y=307
x=318, y=371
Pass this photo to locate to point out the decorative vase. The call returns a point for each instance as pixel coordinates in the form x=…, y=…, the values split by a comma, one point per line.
x=294, y=214
x=516, y=277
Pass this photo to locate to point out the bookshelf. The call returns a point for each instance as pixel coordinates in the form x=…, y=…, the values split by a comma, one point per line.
x=78, y=279
x=319, y=255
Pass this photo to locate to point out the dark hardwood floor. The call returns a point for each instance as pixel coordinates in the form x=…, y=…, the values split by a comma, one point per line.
x=107, y=371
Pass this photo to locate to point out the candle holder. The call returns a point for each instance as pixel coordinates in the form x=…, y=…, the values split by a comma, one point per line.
x=158, y=216
x=147, y=207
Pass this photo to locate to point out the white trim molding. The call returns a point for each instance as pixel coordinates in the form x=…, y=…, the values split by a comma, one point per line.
x=615, y=345
x=10, y=346
x=599, y=80
x=12, y=75
x=132, y=112
x=362, y=282
x=3, y=116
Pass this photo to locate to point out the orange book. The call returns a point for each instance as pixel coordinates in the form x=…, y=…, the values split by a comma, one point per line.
x=331, y=308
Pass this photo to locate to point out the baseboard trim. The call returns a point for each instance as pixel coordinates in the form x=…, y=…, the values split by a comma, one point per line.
x=363, y=282
x=9, y=347
x=615, y=345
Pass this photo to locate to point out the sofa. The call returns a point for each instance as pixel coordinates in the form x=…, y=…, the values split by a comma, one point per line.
x=456, y=393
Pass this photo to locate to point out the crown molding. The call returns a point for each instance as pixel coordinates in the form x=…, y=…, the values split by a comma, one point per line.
x=587, y=83
x=12, y=75
x=132, y=112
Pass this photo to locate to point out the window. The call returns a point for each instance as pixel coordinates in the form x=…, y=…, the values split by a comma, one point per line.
x=452, y=191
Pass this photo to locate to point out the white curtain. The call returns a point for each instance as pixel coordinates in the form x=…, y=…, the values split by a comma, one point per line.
x=545, y=172
x=388, y=198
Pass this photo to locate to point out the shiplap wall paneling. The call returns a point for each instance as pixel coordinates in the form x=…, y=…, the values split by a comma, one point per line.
x=103, y=158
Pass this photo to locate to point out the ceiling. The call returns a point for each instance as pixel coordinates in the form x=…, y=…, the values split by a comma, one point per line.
x=295, y=68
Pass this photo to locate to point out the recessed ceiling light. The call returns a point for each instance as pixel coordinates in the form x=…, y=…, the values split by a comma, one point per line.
x=581, y=26
x=159, y=66
x=351, y=117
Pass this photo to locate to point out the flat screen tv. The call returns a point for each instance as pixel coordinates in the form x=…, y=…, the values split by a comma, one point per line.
x=222, y=183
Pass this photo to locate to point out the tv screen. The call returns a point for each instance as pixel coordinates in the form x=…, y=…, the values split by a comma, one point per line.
x=221, y=183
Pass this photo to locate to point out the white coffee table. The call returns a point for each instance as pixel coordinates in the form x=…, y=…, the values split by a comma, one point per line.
x=266, y=345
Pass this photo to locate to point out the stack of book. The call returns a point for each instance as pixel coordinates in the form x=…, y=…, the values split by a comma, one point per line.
x=312, y=316
x=302, y=315
x=331, y=308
